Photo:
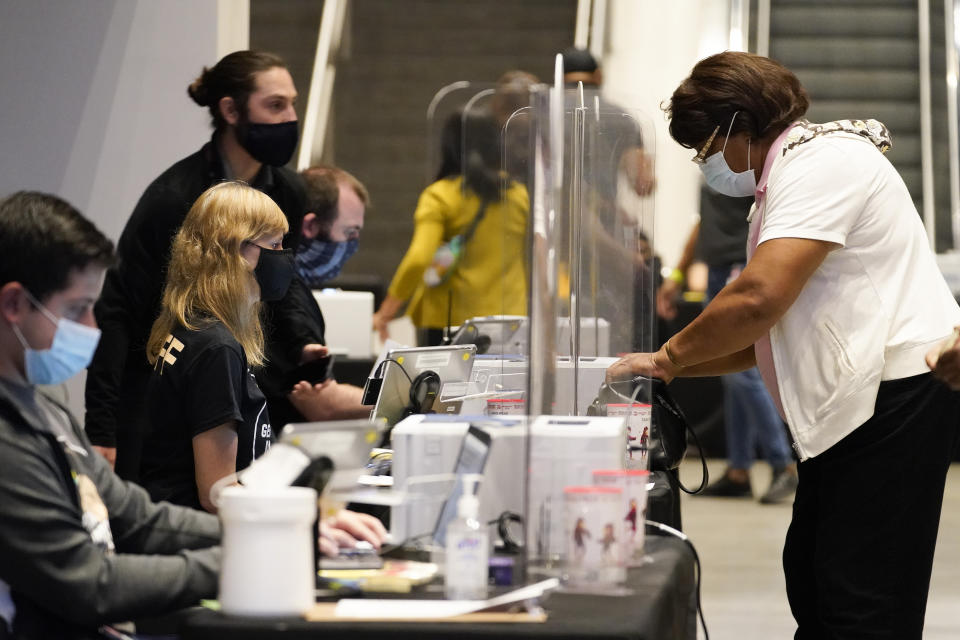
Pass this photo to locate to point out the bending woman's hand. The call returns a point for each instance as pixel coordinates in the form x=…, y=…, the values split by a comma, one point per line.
x=650, y=365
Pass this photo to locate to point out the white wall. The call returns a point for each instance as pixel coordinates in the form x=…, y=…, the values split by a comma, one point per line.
x=651, y=47
x=93, y=98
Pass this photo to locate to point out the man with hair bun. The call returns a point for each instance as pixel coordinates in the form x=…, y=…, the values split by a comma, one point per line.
x=250, y=96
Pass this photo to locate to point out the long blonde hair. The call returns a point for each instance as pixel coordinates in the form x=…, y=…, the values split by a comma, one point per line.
x=208, y=278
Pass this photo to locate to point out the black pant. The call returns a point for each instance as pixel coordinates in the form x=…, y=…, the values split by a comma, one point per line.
x=859, y=551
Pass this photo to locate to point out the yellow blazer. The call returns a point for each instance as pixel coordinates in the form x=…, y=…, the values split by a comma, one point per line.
x=491, y=275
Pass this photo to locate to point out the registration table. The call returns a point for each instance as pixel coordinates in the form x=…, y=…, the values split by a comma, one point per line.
x=661, y=605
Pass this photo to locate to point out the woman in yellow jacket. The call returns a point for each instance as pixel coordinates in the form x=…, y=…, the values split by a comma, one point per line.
x=490, y=276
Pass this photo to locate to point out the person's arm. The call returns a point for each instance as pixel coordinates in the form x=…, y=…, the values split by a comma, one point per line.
x=50, y=558
x=329, y=400
x=673, y=284
x=738, y=316
x=214, y=457
x=427, y=238
x=293, y=328
x=128, y=306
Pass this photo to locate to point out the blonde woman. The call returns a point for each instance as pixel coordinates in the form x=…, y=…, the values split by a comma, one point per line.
x=207, y=416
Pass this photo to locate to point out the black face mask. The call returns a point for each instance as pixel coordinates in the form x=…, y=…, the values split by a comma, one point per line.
x=274, y=273
x=271, y=144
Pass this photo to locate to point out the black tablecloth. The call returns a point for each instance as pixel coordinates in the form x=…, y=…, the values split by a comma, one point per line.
x=661, y=607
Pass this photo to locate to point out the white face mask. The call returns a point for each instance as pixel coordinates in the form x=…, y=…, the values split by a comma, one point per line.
x=722, y=179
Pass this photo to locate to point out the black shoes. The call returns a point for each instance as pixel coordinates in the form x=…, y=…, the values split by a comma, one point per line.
x=727, y=488
x=783, y=486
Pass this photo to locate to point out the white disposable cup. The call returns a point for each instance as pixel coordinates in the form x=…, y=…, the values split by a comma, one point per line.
x=268, y=551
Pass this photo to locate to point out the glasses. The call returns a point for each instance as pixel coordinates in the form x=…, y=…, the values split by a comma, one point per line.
x=701, y=156
x=273, y=246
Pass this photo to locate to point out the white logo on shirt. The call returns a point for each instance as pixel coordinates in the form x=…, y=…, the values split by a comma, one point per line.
x=170, y=346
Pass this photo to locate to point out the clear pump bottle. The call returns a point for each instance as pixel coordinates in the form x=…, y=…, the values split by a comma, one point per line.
x=468, y=547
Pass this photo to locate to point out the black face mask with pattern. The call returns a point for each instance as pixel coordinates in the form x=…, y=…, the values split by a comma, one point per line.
x=274, y=273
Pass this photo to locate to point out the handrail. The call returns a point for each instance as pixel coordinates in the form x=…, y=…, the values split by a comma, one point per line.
x=739, y=25
x=953, y=135
x=763, y=28
x=598, y=28
x=926, y=124
x=581, y=33
x=316, y=118
x=591, y=26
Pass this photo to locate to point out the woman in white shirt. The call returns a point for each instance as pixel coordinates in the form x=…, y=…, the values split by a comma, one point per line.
x=839, y=302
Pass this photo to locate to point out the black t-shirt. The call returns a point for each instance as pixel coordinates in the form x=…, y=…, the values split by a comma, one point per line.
x=200, y=381
x=723, y=228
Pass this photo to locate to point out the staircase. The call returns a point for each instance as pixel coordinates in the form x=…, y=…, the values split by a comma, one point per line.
x=860, y=59
x=397, y=55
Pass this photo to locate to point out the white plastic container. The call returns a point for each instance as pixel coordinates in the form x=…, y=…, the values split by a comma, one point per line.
x=268, y=542
x=594, y=538
x=638, y=417
x=633, y=513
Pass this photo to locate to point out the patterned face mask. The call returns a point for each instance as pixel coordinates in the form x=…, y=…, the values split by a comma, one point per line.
x=319, y=261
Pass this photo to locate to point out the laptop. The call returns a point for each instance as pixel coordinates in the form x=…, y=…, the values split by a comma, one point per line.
x=453, y=363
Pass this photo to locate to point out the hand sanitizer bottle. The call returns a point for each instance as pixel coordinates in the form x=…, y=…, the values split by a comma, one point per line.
x=468, y=547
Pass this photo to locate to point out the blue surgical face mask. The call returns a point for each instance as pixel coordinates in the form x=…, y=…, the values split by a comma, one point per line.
x=321, y=260
x=71, y=352
x=722, y=179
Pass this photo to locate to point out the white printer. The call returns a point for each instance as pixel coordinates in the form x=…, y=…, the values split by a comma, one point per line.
x=428, y=445
x=491, y=372
x=565, y=450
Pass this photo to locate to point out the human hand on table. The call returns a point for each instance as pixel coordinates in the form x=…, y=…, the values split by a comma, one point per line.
x=346, y=528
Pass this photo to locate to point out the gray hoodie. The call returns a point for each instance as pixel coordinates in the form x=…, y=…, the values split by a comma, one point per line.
x=79, y=547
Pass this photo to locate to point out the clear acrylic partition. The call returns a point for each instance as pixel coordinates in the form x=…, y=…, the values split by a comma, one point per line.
x=592, y=269
x=446, y=102
x=469, y=118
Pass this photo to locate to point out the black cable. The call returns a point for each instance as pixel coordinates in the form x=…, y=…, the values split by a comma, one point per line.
x=509, y=544
x=407, y=543
x=696, y=558
x=384, y=362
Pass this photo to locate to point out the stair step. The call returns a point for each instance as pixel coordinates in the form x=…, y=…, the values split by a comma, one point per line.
x=830, y=5
x=417, y=14
x=834, y=52
x=892, y=21
x=866, y=84
x=900, y=117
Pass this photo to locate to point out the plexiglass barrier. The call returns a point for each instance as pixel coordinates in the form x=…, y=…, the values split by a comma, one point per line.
x=593, y=285
x=554, y=277
x=593, y=274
